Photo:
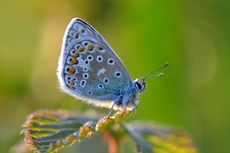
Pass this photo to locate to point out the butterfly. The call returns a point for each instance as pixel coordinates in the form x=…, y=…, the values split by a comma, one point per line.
x=91, y=71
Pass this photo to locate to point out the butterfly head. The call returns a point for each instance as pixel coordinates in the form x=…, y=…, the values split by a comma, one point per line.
x=140, y=85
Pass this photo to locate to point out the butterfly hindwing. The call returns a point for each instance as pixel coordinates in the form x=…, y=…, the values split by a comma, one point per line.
x=89, y=69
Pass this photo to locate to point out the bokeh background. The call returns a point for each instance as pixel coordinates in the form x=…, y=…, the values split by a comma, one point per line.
x=194, y=35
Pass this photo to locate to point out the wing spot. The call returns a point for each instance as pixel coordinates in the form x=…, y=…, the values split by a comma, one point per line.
x=69, y=40
x=81, y=49
x=90, y=92
x=76, y=54
x=67, y=69
x=83, y=83
x=106, y=80
x=90, y=57
x=117, y=74
x=72, y=33
x=71, y=70
x=85, y=69
x=82, y=31
x=77, y=47
x=72, y=82
x=111, y=61
x=73, y=51
x=100, y=86
x=67, y=80
x=86, y=43
x=101, y=71
x=73, y=61
x=100, y=47
x=86, y=62
x=99, y=58
x=90, y=47
x=85, y=75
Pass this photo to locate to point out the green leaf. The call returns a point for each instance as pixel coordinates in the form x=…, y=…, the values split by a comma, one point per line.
x=160, y=139
x=48, y=131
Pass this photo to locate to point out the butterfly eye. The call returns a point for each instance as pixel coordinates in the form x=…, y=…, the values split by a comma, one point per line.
x=140, y=86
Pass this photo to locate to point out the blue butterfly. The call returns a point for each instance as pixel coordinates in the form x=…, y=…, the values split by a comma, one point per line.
x=90, y=70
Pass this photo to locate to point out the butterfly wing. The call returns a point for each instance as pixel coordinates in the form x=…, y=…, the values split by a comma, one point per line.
x=88, y=68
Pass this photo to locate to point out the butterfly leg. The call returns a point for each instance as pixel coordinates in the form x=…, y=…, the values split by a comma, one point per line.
x=124, y=109
x=117, y=102
x=129, y=111
x=133, y=109
x=111, y=110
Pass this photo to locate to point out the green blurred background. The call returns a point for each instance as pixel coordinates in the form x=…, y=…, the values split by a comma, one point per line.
x=193, y=35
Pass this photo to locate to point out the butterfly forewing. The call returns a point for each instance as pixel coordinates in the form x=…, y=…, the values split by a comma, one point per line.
x=88, y=67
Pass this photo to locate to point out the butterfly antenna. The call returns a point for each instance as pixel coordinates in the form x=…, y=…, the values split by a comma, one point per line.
x=155, y=73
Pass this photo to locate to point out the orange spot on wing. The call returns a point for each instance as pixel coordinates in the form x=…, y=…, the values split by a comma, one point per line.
x=72, y=81
x=99, y=47
x=74, y=61
x=81, y=49
x=90, y=47
x=76, y=55
x=71, y=70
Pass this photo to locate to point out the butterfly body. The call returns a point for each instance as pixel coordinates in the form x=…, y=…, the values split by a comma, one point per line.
x=90, y=70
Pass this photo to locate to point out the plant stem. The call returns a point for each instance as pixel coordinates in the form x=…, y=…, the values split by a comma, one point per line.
x=111, y=141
